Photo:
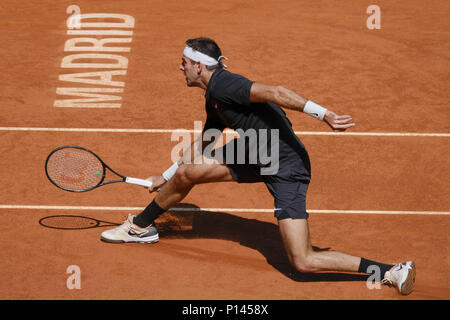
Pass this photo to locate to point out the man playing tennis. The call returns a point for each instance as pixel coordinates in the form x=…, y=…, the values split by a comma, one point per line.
x=233, y=101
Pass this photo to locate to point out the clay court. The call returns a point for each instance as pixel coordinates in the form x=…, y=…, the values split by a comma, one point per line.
x=379, y=190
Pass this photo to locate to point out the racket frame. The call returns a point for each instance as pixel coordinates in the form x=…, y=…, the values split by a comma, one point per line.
x=101, y=183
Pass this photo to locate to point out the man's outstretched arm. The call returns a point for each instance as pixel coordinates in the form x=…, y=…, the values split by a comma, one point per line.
x=288, y=99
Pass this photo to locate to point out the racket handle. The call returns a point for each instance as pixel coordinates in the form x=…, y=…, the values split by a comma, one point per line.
x=140, y=182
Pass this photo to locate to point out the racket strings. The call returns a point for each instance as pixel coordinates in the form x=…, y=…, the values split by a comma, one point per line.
x=74, y=169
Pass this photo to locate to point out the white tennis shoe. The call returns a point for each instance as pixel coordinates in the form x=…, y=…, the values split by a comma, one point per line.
x=402, y=275
x=129, y=232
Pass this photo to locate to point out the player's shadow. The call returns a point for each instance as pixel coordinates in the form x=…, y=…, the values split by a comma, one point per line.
x=187, y=221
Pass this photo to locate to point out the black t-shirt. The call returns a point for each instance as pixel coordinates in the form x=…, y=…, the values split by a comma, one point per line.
x=228, y=106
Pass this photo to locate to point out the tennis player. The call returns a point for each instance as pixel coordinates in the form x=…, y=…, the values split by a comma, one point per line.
x=233, y=101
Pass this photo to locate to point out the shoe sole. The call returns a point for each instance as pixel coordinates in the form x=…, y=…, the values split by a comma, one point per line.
x=407, y=286
x=149, y=240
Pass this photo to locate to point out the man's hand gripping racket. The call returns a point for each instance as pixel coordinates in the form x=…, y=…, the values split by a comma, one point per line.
x=77, y=169
x=338, y=122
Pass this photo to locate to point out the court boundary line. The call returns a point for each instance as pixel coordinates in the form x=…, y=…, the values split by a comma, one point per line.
x=236, y=210
x=311, y=133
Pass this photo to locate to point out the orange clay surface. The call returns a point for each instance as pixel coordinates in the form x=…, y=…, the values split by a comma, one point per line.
x=392, y=80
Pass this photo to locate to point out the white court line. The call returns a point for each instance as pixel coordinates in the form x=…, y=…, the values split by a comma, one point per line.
x=300, y=133
x=247, y=210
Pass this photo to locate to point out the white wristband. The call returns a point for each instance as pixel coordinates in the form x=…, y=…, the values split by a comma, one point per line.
x=169, y=173
x=313, y=109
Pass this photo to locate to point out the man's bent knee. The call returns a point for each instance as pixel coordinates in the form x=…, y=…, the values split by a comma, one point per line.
x=303, y=264
x=182, y=176
x=191, y=174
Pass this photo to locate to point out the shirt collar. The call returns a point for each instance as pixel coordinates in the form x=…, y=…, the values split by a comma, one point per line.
x=210, y=83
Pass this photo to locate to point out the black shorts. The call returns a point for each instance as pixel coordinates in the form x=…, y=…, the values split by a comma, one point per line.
x=289, y=192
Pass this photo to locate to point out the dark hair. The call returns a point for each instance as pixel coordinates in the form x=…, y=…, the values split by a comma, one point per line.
x=207, y=46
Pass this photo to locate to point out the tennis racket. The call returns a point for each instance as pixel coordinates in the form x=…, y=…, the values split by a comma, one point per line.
x=77, y=169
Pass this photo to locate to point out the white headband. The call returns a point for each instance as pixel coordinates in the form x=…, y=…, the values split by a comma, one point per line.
x=197, y=56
